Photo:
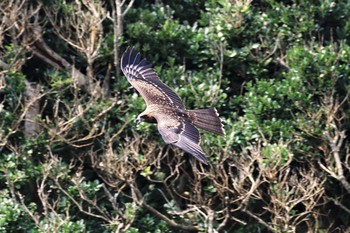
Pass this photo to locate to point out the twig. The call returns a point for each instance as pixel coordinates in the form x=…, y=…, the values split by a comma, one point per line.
x=259, y=220
x=170, y=222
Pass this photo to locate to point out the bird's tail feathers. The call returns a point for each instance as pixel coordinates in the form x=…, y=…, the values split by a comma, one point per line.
x=207, y=119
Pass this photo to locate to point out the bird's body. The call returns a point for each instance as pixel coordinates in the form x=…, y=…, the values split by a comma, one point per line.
x=164, y=107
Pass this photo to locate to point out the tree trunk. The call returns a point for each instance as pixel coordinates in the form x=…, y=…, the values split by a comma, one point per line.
x=32, y=105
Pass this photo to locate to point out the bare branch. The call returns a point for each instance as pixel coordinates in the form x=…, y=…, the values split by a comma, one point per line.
x=262, y=222
x=128, y=7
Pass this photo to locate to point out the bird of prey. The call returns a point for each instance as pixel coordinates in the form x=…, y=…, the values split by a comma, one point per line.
x=164, y=107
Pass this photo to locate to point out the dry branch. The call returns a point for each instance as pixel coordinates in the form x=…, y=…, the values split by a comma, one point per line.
x=335, y=137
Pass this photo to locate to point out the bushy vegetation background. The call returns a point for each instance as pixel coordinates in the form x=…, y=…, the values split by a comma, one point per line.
x=72, y=159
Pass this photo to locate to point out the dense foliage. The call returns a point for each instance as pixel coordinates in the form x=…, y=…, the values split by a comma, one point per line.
x=73, y=160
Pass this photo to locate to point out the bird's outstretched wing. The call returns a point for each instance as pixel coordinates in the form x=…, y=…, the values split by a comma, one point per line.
x=146, y=81
x=167, y=108
x=179, y=131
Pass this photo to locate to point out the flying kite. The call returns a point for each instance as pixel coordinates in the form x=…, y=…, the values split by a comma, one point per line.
x=165, y=108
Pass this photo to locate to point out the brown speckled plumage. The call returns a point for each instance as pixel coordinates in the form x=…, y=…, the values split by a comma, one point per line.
x=164, y=107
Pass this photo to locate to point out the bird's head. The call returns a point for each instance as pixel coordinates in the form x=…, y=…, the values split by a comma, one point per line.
x=145, y=118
